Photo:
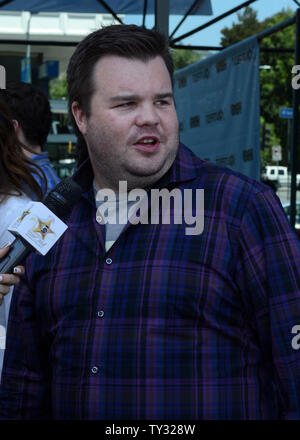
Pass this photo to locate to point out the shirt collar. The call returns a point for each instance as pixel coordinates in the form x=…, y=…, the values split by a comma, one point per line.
x=183, y=168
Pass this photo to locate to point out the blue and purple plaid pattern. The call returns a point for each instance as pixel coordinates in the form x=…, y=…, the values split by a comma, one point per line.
x=164, y=325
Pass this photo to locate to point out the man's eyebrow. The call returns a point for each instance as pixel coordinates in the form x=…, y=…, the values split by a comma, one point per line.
x=124, y=98
x=120, y=98
x=164, y=95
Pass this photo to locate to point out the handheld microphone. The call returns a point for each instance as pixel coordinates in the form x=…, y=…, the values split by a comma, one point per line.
x=60, y=200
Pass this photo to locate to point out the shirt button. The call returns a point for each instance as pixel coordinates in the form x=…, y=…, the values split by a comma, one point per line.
x=108, y=260
x=94, y=369
x=99, y=218
x=100, y=313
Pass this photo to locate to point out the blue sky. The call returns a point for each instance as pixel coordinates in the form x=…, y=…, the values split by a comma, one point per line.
x=211, y=36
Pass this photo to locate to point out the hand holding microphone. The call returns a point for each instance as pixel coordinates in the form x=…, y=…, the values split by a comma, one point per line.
x=8, y=280
x=59, y=201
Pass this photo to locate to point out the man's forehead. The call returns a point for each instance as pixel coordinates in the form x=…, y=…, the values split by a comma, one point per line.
x=121, y=73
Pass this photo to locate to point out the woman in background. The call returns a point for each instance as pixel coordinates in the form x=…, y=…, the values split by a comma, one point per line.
x=17, y=187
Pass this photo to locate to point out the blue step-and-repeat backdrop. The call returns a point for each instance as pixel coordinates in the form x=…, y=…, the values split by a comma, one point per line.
x=217, y=101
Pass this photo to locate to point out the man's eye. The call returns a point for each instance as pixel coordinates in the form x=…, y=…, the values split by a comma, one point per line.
x=126, y=104
x=162, y=102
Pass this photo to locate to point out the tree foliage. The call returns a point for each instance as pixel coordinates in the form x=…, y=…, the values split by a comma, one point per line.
x=184, y=57
x=58, y=87
x=247, y=25
x=276, y=89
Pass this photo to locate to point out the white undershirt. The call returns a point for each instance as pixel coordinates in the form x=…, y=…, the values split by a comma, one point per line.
x=116, y=215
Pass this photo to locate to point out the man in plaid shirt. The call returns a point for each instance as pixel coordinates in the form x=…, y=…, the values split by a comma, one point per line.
x=144, y=320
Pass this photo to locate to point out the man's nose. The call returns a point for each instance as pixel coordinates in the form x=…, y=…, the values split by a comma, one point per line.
x=147, y=115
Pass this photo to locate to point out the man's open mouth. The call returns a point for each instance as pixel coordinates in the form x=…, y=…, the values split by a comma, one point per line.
x=147, y=143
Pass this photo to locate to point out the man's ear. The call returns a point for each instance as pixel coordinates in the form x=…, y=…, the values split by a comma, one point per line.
x=19, y=131
x=16, y=125
x=80, y=117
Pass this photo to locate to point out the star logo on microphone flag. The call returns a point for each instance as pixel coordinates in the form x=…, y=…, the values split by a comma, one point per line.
x=44, y=228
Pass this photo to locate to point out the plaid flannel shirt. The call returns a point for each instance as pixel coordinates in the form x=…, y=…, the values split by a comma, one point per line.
x=164, y=325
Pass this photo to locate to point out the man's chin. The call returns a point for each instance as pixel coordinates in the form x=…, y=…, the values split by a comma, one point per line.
x=143, y=177
x=150, y=168
x=147, y=170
